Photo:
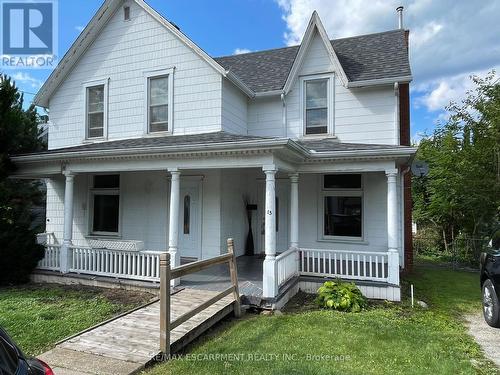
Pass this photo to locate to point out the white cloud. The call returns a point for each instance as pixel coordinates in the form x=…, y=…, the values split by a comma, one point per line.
x=79, y=28
x=434, y=96
x=239, y=51
x=26, y=79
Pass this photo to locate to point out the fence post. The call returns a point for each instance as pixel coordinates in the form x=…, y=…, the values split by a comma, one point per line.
x=234, y=278
x=165, y=304
x=393, y=267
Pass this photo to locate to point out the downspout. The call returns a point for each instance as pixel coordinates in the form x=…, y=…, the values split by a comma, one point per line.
x=397, y=115
x=283, y=115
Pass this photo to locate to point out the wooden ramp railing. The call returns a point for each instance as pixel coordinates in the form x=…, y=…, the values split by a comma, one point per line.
x=167, y=274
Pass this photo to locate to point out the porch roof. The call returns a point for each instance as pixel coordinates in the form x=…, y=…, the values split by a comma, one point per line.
x=218, y=141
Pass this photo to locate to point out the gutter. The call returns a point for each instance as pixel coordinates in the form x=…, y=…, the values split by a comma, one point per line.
x=380, y=81
x=391, y=152
x=265, y=94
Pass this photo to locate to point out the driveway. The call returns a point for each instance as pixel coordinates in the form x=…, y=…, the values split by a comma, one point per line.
x=487, y=337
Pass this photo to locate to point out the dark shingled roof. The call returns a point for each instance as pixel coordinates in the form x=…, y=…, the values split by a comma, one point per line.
x=164, y=141
x=318, y=145
x=365, y=57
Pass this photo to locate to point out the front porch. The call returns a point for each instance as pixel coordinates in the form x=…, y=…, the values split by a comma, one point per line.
x=303, y=217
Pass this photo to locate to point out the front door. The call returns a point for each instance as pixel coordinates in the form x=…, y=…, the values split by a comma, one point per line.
x=190, y=218
x=282, y=203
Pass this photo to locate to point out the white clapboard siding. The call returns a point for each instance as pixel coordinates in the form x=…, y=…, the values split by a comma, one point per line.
x=122, y=53
x=234, y=109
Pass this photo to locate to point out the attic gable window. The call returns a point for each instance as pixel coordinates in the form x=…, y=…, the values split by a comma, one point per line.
x=159, y=111
x=126, y=13
x=316, y=106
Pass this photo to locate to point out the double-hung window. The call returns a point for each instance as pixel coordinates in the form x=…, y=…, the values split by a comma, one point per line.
x=159, y=101
x=342, y=196
x=316, y=106
x=105, y=204
x=95, y=109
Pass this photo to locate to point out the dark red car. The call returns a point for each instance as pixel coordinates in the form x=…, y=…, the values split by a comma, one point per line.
x=14, y=362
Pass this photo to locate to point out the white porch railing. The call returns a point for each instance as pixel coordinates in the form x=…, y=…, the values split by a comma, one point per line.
x=287, y=266
x=136, y=265
x=51, y=258
x=354, y=265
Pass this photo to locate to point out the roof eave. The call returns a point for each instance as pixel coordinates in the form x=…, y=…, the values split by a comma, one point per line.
x=240, y=84
x=380, y=81
x=400, y=152
x=177, y=149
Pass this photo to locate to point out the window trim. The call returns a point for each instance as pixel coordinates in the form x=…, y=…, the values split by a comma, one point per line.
x=89, y=84
x=90, y=204
x=330, y=100
x=354, y=192
x=170, y=102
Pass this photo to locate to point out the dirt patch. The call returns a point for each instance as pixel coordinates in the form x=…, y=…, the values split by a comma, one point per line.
x=301, y=302
x=487, y=337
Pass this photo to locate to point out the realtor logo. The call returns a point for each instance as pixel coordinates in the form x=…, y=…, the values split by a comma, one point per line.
x=28, y=33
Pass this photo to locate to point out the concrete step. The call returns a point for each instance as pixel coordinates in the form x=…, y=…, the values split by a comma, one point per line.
x=70, y=362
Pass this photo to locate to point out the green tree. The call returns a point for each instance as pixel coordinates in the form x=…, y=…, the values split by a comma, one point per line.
x=19, y=133
x=461, y=194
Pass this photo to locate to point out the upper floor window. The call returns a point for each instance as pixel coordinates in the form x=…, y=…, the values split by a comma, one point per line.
x=95, y=111
x=158, y=104
x=159, y=113
x=316, y=106
x=96, y=107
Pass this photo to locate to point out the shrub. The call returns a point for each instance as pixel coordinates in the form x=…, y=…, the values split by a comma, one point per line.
x=340, y=296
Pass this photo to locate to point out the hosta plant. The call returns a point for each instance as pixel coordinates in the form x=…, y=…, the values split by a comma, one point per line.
x=340, y=296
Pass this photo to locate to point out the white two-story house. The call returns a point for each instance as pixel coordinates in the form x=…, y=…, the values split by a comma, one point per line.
x=156, y=146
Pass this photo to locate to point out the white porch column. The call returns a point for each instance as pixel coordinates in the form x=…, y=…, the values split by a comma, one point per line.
x=270, y=281
x=173, y=227
x=65, y=253
x=392, y=226
x=294, y=210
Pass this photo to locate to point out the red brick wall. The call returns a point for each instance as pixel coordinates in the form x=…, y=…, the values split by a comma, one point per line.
x=404, y=121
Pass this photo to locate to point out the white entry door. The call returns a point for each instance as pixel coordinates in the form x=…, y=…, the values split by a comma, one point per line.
x=190, y=218
x=282, y=203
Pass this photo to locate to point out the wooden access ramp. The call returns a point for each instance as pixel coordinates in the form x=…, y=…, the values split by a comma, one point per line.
x=124, y=345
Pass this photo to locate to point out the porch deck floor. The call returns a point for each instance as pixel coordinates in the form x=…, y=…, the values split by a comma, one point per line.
x=217, y=278
x=126, y=344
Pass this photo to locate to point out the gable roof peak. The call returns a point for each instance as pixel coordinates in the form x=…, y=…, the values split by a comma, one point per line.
x=315, y=25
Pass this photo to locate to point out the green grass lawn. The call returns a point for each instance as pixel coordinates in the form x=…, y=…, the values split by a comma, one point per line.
x=384, y=339
x=37, y=316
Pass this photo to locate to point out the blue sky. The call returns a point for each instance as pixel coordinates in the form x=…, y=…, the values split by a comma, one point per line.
x=449, y=39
